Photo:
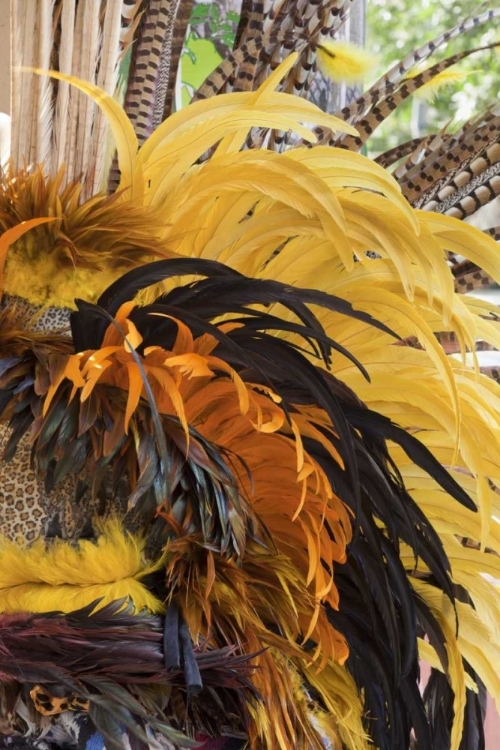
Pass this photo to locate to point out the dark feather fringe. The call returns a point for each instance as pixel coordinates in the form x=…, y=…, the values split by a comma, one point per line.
x=112, y=658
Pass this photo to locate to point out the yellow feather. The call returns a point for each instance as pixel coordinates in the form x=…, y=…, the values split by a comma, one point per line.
x=428, y=654
x=428, y=91
x=65, y=577
x=464, y=239
x=322, y=208
x=341, y=168
x=343, y=61
x=341, y=698
x=28, y=279
x=9, y=237
x=474, y=633
x=216, y=109
x=121, y=127
x=234, y=141
x=443, y=611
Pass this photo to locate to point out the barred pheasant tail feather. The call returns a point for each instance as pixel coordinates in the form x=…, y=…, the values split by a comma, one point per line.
x=398, y=75
x=244, y=463
x=437, y=167
x=146, y=84
x=268, y=32
x=274, y=30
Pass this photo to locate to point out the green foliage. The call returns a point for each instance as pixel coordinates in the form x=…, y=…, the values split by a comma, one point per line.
x=199, y=58
x=211, y=31
x=397, y=27
x=221, y=25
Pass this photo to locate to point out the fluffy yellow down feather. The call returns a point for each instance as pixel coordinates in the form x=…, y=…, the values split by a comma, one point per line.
x=61, y=576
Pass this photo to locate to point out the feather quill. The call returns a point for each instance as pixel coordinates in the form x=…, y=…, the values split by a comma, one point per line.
x=62, y=107
x=44, y=120
x=123, y=132
x=132, y=12
x=401, y=69
x=74, y=100
x=131, y=17
x=106, y=80
x=16, y=31
x=178, y=37
x=91, y=41
x=25, y=21
x=139, y=101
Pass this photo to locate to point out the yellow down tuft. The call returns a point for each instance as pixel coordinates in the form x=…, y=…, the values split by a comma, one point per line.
x=428, y=91
x=343, y=61
x=64, y=576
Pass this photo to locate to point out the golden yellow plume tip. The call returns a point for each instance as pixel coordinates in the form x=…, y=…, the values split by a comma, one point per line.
x=343, y=61
x=445, y=78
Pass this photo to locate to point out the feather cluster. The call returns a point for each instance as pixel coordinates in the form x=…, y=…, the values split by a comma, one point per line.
x=250, y=407
x=238, y=434
x=63, y=657
x=70, y=255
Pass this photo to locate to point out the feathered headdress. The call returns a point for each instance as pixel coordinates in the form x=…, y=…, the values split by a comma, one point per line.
x=238, y=463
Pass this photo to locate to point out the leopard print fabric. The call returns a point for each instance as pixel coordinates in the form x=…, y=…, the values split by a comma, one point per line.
x=50, y=319
x=26, y=509
x=22, y=511
x=51, y=705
